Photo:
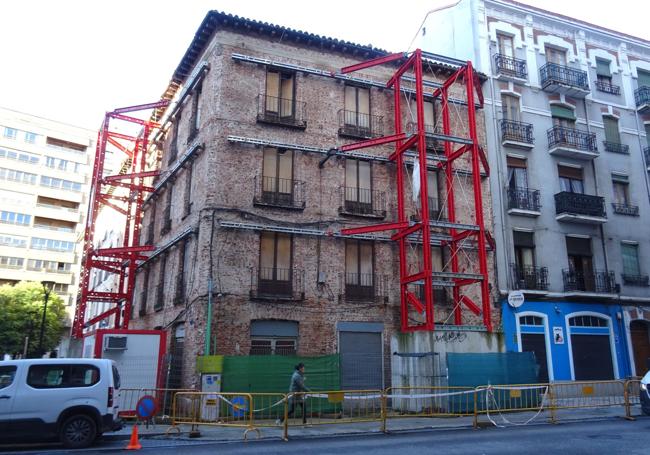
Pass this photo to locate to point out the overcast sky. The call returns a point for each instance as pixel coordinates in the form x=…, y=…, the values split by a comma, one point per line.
x=72, y=60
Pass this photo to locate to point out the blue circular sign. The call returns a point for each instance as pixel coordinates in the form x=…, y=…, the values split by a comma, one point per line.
x=239, y=406
x=146, y=407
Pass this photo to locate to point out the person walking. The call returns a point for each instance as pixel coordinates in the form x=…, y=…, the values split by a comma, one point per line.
x=296, y=387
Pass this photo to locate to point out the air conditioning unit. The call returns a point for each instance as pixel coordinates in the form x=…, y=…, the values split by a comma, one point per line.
x=115, y=343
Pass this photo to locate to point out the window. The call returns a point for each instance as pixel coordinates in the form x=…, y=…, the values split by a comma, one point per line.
x=17, y=176
x=611, y=130
x=167, y=213
x=517, y=173
x=647, y=133
x=184, y=266
x=30, y=138
x=359, y=276
x=571, y=179
x=603, y=73
x=524, y=243
x=7, y=374
x=357, y=108
x=581, y=272
x=275, y=275
x=15, y=218
x=12, y=240
x=531, y=320
x=620, y=185
x=19, y=156
x=152, y=222
x=643, y=78
x=588, y=321
x=159, y=302
x=430, y=118
x=630, y=253
x=53, y=245
x=9, y=262
x=196, y=111
x=556, y=56
x=358, y=186
x=62, y=376
x=277, y=176
x=505, y=45
x=279, y=93
x=10, y=133
x=60, y=183
x=173, y=146
x=273, y=346
x=144, y=292
x=563, y=116
x=274, y=336
x=510, y=107
x=187, y=197
x=433, y=193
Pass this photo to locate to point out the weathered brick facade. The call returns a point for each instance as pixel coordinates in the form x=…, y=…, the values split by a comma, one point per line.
x=225, y=179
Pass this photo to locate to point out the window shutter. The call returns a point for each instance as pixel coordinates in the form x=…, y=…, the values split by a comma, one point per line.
x=578, y=246
x=562, y=112
x=611, y=130
x=630, y=259
x=644, y=78
x=569, y=172
x=602, y=68
x=525, y=239
x=515, y=162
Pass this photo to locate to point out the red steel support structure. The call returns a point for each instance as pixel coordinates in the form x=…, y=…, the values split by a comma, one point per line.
x=420, y=229
x=121, y=261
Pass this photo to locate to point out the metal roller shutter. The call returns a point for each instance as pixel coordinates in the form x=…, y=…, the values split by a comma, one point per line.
x=361, y=360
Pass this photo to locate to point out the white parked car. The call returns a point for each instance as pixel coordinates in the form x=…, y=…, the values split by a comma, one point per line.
x=69, y=399
x=644, y=393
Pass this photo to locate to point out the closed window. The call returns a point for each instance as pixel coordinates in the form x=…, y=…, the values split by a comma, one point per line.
x=517, y=173
x=531, y=320
x=510, y=107
x=563, y=116
x=588, y=321
x=273, y=346
x=359, y=279
x=62, y=376
x=10, y=133
x=571, y=179
x=505, y=45
x=524, y=243
x=357, y=106
x=603, y=72
x=556, y=56
x=358, y=184
x=621, y=189
x=275, y=256
x=630, y=253
x=277, y=175
x=611, y=130
x=7, y=375
x=279, y=93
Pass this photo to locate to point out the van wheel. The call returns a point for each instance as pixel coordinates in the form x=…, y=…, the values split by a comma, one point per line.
x=78, y=431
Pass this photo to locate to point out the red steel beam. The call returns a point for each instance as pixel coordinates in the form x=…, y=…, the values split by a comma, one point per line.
x=101, y=316
x=374, y=228
x=112, y=178
x=142, y=107
x=374, y=62
x=373, y=142
x=404, y=147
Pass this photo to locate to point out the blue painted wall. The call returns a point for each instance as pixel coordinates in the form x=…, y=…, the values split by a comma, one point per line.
x=556, y=313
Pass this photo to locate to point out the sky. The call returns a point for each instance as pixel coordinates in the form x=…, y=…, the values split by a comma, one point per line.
x=73, y=60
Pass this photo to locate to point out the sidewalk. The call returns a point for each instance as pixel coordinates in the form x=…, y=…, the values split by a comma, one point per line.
x=399, y=424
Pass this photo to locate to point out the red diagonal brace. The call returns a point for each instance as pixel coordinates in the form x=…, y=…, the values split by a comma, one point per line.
x=415, y=277
x=374, y=62
x=404, y=147
x=484, y=161
x=413, y=300
x=374, y=142
x=141, y=107
x=374, y=228
x=123, y=251
x=121, y=147
x=463, y=235
x=403, y=69
x=406, y=232
x=471, y=305
x=113, y=134
x=112, y=178
x=99, y=317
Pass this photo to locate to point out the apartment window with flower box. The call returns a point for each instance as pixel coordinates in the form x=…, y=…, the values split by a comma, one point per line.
x=631, y=265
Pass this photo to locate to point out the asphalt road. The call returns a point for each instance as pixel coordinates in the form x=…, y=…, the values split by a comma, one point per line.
x=596, y=437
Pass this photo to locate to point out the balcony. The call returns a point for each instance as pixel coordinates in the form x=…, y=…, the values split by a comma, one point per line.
x=362, y=202
x=510, y=69
x=281, y=111
x=564, y=80
x=636, y=280
x=432, y=144
x=580, y=208
x=277, y=284
x=642, y=99
x=608, y=87
x=615, y=147
x=364, y=287
x=529, y=278
x=625, y=209
x=596, y=281
x=517, y=134
x=280, y=193
x=524, y=201
x=571, y=143
x=356, y=125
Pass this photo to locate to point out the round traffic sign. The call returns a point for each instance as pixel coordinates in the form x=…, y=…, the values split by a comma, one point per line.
x=146, y=407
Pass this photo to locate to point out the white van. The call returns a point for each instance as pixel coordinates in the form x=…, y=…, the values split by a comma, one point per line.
x=69, y=399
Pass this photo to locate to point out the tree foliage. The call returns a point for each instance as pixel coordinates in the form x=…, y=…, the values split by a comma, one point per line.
x=21, y=313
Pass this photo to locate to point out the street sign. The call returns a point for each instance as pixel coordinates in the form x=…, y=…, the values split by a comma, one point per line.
x=146, y=407
x=515, y=299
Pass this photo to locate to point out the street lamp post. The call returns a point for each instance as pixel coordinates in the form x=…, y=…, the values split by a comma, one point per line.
x=42, y=331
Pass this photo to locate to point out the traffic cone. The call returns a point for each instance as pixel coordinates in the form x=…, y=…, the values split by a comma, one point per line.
x=134, y=443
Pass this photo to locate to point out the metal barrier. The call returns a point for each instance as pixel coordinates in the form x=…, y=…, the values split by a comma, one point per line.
x=420, y=401
x=335, y=407
x=499, y=399
x=587, y=394
x=632, y=396
x=127, y=400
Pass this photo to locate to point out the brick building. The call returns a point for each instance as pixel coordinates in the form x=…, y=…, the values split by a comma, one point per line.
x=247, y=205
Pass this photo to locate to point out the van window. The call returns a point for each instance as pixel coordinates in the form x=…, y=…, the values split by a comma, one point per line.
x=7, y=374
x=62, y=376
x=116, y=378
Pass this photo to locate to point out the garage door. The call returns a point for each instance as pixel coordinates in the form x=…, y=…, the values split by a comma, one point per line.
x=536, y=343
x=640, y=335
x=361, y=360
x=591, y=347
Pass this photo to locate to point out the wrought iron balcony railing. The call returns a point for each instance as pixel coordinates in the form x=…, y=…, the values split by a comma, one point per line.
x=646, y=152
x=432, y=143
x=364, y=286
x=509, y=66
x=579, y=204
x=363, y=202
x=625, y=209
x=552, y=73
x=517, y=131
x=615, y=147
x=281, y=111
x=524, y=199
x=362, y=126
x=529, y=277
x=608, y=87
x=276, y=192
x=596, y=281
x=560, y=136
x=642, y=95
x=277, y=283
x=636, y=280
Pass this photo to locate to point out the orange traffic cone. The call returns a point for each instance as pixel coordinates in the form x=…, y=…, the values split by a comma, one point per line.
x=134, y=443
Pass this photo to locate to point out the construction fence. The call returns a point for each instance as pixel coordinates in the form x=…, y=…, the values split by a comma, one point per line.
x=488, y=404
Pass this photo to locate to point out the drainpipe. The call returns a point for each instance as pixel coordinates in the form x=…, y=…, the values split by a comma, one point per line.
x=208, y=324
